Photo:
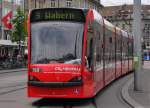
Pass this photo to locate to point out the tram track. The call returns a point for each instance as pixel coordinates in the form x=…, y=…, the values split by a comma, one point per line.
x=7, y=90
x=11, y=86
x=12, y=71
x=12, y=83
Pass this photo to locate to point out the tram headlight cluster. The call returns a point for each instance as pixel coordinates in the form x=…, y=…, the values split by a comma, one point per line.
x=76, y=79
x=35, y=70
x=32, y=78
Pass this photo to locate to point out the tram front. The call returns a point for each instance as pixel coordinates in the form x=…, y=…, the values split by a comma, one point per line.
x=55, y=46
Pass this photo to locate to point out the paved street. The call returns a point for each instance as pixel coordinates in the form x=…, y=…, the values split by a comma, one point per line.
x=110, y=97
x=10, y=82
x=141, y=98
x=13, y=94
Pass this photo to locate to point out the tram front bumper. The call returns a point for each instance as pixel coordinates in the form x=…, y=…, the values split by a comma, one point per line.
x=54, y=84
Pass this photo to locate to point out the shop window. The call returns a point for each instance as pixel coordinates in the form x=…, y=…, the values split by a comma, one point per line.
x=68, y=3
x=52, y=3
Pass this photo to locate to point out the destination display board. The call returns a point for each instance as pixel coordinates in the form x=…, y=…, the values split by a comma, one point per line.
x=59, y=14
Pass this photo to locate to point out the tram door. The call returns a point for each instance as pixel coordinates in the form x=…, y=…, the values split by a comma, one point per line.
x=98, y=54
x=91, y=50
x=95, y=53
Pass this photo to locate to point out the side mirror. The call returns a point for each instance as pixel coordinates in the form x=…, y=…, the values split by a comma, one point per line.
x=86, y=62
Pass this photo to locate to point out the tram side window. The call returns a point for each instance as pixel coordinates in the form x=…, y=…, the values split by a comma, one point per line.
x=99, y=43
x=122, y=45
x=91, y=51
x=127, y=57
x=109, y=48
x=123, y=49
x=97, y=48
x=112, y=47
x=126, y=49
x=118, y=48
x=130, y=50
x=106, y=54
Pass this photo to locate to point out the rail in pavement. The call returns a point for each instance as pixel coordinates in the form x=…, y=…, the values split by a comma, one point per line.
x=12, y=70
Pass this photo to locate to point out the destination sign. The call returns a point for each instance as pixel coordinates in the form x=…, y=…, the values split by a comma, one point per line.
x=52, y=14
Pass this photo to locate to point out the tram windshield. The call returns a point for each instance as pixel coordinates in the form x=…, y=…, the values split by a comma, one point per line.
x=56, y=42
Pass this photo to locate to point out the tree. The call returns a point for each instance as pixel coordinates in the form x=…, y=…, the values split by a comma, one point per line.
x=19, y=32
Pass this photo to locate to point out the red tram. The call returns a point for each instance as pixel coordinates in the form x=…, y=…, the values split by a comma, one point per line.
x=74, y=53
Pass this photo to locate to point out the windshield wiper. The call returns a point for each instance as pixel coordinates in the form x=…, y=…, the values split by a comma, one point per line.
x=59, y=60
x=68, y=57
x=47, y=61
x=43, y=61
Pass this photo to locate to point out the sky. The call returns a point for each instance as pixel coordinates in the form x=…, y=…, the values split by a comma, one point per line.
x=120, y=2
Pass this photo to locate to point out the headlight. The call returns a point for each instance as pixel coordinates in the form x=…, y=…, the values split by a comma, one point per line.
x=32, y=78
x=76, y=79
x=35, y=70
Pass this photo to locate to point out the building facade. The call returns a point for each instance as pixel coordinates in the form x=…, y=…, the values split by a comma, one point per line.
x=94, y=4
x=122, y=16
x=6, y=46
